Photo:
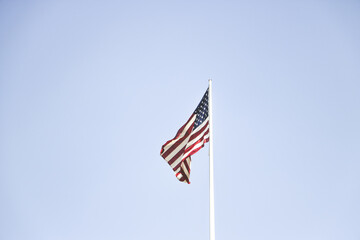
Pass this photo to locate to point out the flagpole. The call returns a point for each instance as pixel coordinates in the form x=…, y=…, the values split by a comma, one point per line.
x=211, y=169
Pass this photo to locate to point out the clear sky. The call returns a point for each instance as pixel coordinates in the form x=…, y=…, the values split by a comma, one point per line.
x=90, y=90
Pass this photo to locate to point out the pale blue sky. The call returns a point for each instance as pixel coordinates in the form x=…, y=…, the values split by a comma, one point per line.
x=90, y=90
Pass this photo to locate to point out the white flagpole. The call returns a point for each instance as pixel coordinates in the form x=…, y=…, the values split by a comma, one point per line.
x=211, y=169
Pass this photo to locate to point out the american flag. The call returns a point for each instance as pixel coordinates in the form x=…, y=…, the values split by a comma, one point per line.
x=190, y=138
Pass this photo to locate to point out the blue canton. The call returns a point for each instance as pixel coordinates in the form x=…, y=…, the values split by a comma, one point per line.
x=202, y=110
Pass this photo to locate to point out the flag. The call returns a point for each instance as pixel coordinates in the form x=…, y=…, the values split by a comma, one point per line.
x=190, y=138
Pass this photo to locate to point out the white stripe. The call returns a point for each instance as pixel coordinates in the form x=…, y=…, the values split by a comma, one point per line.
x=173, y=153
x=188, y=125
x=176, y=150
x=201, y=125
x=188, y=162
x=198, y=137
x=207, y=135
x=196, y=146
x=185, y=170
x=177, y=161
x=179, y=176
x=172, y=142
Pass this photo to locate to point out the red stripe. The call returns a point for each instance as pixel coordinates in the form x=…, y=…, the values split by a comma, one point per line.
x=201, y=131
x=176, y=136
x=175, y=145
x=177, y=155
x=186, y=165
x=184, y=177
x=183, y=151
x=182, y=128
x=177, y=166
x=200, y=139
x=192, y=151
